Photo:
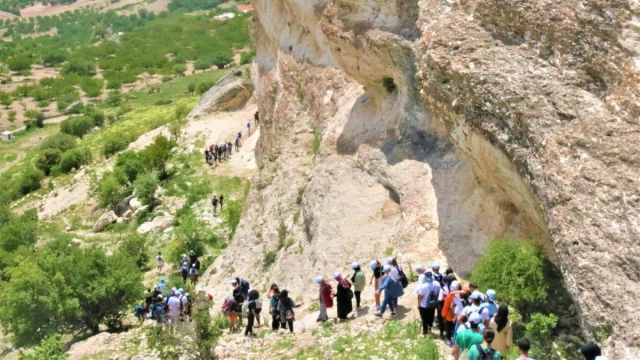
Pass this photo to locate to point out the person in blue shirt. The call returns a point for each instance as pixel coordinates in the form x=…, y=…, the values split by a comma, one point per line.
x=392, y=287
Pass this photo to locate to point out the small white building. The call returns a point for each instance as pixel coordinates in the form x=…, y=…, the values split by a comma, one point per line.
x=7, y=136
x=224, y=17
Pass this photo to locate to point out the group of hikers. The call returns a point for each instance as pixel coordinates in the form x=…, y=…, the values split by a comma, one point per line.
x=215, y=154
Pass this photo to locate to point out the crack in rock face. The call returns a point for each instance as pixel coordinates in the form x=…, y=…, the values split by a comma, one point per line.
x=426, y=128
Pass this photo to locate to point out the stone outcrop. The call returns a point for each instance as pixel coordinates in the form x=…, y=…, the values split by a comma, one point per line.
x=231, y=92
x=158, y=224
x=426, y=128
x=105, y=220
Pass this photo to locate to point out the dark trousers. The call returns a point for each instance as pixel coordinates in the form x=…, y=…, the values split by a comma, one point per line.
x=357, y=294
x=427, y=316
x=440, y=318
x=448, y=329
x=275, y=323
x=289, y=322
x=249, y=329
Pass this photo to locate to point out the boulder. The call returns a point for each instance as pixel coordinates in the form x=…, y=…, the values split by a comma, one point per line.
x=105, y=220
x=135, y=204
x=128, y=214
x=123, y=206
x=230, y=93
x=158, y=224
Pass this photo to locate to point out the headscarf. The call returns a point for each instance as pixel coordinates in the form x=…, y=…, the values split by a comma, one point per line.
x=502, y=317
x=394, y=274
x=341, y=280
x=590, y=351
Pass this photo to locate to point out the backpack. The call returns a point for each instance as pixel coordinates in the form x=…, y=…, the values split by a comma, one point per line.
x=227, y=305
x=289, y=314
x=403, y=279
x=184, y=268
x=245, y=308
x=485, y=355
x=432, y=300
x=193, y=271
x=139, y=311
x=160, y=312
x=244, y=284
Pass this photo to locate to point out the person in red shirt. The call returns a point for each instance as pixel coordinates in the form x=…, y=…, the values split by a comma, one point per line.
x=325, y=294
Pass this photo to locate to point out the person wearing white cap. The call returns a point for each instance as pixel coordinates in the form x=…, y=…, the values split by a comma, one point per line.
x=476, y=308
x=174, y=307
x=468, y=338
x=376, y=267
x=325, y=298
x=359, y=281
x=392, y=287
x=343, y=296
x=419, y=269
x=428, y=301
x=490, y=304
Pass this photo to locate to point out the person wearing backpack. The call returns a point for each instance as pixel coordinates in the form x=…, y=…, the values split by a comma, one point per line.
x=160, y=262
x=193, y=275
x=392, y=288
x=229, y=309
x=251, y=312
x=484, y=351
x=468, y=338
x=444, y=290
x=184, y=270
x=343, y=295
x=359, y=281
x=376, y=267
x=243, y=286
x=428, y=301
x=274, y=299
x=325, y=298
x=285, y=308
x=160, y=310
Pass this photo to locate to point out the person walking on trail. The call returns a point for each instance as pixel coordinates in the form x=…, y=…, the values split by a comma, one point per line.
x=502, y=327
x=475, y=307
x=376, y=267
x=237, y=141
x=249, y=127
x=448, y=312
x=484, y=351
x=184, y=271
x=344, y=295
x=230, y=148
x=256, y=118
x=274, y=299
x=490, y=303
x=419, y=269
x=160, y=263
x=193, y=275
x=444, y=290
x=174, y=308
x=524, y=346
x=285, y=308
x=229, y=308
x=221, y=200
x=468, y=338
x=428, y=302
x=359, y=281
x=325, y=298
x=214, y=203
x=392, y=288
x=162, y=286
x=243, y=286
x=252, y=314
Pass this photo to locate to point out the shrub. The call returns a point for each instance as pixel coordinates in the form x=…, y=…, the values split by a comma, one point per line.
x=47, y=159
x=136, y=246
x=95, y=114
x=77, y=126
x=19, y=63
x=203, y=87
x=192, y=235
x=202, y=64
x=246, y=57
x=145, y=187
x=60, y=141
x=79, y=67
x=539, y=332
x=114, y=98
x=161, y=102
x=269, y=259
x=30, y=180
x=515, y=269
x=74, y=159
x=111, y=190
x=131, y=164
x=51, y=348
x=157, y=154
x=114, y=144
x=191, y=88
x=11, y=116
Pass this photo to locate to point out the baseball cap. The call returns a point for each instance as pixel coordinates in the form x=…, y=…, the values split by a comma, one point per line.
x=475, y=318
x=389, y=260
x=476, y=295
x=374, y=264
x=234, y=282
x=386, y=269
x=491, y=294
x=429, y=275
x=435, y=266
x=419, y=269
x=318, y=279
x=355, y=265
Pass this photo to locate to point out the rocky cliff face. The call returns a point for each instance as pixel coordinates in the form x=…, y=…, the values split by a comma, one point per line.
x=424, y=128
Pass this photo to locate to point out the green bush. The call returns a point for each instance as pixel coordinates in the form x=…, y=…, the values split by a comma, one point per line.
x=47, y=159
x=515, y=269
x=51, y=348
x=161, y=102
x=131, y=164
x=77, y=126
x=136, y=246
x=19, y=63
x=79, y=67
x=60, y=141
x=95, y=114
x=191, y=234
x=157, y=154
x=269, y=258
x=113, y=144
x=112, y=190
x=203, y=87
x=30, y=180
x=145, y=187
x=74, y=159
x=539, y=331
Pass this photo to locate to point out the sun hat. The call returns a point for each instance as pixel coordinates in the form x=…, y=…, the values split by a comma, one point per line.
x=355, y=265
x=336, y=276
x=435, y=266
x=374, y=264
x=318, y=279
x=386, y=269
x=419, y=269
x=491, y=294
x=389, y=260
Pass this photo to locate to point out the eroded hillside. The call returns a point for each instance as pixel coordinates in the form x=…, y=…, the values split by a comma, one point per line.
x=424, y=129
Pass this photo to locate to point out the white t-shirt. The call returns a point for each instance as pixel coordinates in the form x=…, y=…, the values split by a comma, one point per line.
x=174, y=306
x=185, y=302
x=443, y=292
x=459, y=305
x=427, y=288
x=159, y=260
x=483, y=312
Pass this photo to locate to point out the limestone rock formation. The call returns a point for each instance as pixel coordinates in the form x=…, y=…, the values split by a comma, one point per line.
x=105, y=220
x=158, y=224
x=229, y=93
x=425, y=128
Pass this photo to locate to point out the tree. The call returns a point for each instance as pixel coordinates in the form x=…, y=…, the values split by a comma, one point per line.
x=47, y=159
x=131, y=164
x=145, y=187
x=111, y=189
x=77, y=126
x=114, y=144
x=179, y=69
x=158, y=153
x=175, y=129
x=203, y=64
x=192, y=234
x=59, y=141
x=222, y=59
x=136, y=246
x=30, y=180
x=204, y=86
x=74, y=159
x=36, y=118
x=191, y=88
